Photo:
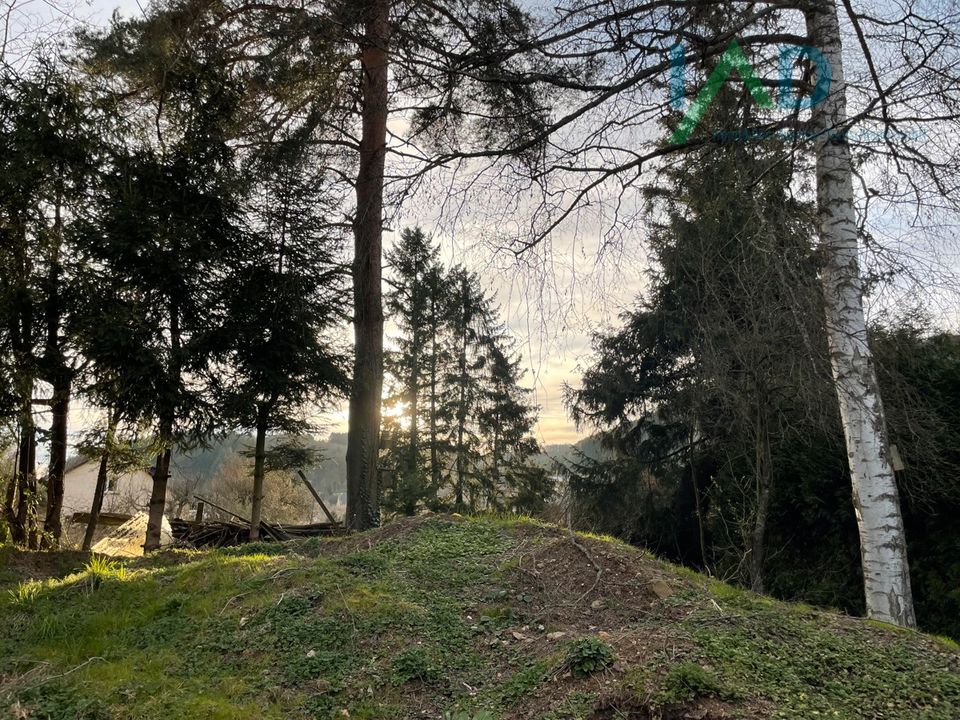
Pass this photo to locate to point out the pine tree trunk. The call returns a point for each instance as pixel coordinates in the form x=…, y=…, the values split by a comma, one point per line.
x=25, y=529
x=53, y=523
x=882, y=543
x=101, y=487
x=363, y=434
x=60, y=382
x=256, y=507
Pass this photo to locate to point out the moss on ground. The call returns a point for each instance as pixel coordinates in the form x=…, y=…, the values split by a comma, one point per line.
x=446, y=617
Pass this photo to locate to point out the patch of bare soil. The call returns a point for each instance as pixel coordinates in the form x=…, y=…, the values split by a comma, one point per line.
x=633, y=708
x=581, y=583
x=564, y=587
x=24, y=565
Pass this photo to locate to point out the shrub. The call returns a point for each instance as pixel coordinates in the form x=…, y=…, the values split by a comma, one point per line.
x=588, y=655
x=688, y=681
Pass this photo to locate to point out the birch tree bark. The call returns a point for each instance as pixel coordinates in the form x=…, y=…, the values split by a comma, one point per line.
x=883, y=547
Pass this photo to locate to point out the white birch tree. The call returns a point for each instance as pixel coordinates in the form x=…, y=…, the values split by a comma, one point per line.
x=883, y=546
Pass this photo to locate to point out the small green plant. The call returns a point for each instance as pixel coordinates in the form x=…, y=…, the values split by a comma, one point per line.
x=25, y=593
x=414, y=663
x=99, y=568
x=688, y=681
x=588, y=655
x=524, y=681
x=467, y=715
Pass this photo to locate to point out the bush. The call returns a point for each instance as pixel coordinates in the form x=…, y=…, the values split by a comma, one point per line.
x=688, y=681
x=589, y=655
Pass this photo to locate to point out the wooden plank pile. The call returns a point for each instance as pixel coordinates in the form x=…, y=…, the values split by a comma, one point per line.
x=224, y=533
x=221, y=533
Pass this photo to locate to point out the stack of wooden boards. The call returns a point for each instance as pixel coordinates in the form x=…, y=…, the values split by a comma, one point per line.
x=220, y=533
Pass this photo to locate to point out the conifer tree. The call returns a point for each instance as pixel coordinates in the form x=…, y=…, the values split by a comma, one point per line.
x=723, y=358
x=277, y=358
x=47, y=155
x=470, y=323
x=415, y=305
x=505, y=420
x=167, y=229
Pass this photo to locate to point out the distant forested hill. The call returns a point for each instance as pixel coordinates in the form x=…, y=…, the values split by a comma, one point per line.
x=329, y=477
x=564, y=452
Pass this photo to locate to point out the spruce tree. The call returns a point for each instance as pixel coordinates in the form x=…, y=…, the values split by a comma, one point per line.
x=48, y=155
x=505, y=421
x=721, y=364
x=416, y=305
x=278, y=360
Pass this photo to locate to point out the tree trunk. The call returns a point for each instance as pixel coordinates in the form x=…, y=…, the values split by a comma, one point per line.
x=883, y=546
x=434, y=454
x=461, y=422
x=158, y=494
x=462, y=392
x=697, y=500
x=256, y=506
x=25, y=527
x=413, y=461
x=10, y=499
x=458, y=495
x=363, y=433
x=13, y=498
x=101, y=486
x=168, y=417
x=763, y=470
x=495, y=471
x=53, y=523
x=59, y=375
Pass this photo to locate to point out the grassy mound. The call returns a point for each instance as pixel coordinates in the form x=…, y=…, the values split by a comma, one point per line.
x=449, y=618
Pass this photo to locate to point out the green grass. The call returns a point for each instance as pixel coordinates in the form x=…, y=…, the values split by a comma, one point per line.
x=441, y=618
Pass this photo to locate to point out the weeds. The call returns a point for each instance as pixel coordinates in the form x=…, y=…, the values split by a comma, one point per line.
x=588, y=655
x=25, y=592
x=100, y=568
x=425, y=623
